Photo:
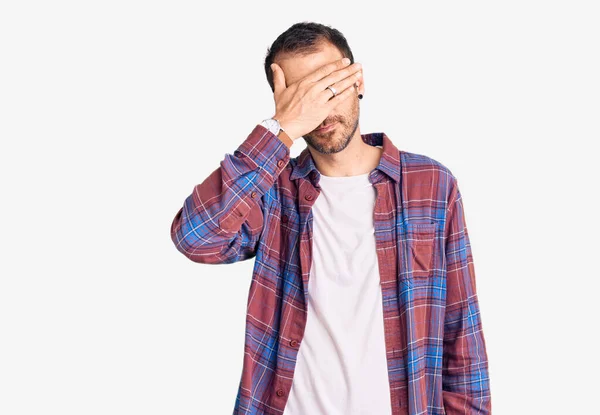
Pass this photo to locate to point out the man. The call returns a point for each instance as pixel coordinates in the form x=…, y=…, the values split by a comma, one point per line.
x=363, y=297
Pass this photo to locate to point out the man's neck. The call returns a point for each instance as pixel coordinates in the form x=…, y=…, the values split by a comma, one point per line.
x=358, y=158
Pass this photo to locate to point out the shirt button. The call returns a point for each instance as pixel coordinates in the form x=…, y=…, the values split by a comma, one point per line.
x=293, y=343
x=280, y=163
x=284, y=219
x=308, y=197
x=280, y=392
x=253, y=194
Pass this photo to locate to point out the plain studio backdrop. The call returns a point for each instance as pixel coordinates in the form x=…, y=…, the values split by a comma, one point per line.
x=111, y=112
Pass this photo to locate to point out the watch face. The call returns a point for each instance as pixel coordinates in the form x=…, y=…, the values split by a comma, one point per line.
x=272, y=125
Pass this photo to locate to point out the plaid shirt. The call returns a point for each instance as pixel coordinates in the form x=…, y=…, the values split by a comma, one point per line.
x=257, y=204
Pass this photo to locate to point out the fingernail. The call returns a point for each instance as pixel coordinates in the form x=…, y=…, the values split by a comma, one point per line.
x=272, y=66
x=346, y=61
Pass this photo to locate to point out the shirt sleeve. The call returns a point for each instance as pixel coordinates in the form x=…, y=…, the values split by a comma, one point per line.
x=465, y=377
x=221, y=221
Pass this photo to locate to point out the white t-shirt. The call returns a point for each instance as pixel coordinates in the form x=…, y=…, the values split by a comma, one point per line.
x=341, y=367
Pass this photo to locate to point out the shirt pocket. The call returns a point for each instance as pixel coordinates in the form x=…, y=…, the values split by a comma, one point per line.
x=421, y=240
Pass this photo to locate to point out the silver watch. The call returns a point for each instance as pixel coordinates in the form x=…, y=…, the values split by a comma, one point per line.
x=272, y=125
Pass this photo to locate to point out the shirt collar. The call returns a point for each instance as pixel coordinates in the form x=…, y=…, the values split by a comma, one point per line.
x=389, y=163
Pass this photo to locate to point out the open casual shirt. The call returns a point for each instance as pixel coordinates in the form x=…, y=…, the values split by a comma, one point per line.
x=258, y=204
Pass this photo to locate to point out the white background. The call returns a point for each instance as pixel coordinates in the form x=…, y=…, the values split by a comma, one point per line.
x=111, y=112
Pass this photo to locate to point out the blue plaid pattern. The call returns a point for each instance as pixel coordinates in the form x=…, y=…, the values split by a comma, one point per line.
x=257, y=204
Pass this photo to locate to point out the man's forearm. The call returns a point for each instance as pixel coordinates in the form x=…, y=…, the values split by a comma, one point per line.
x=465, y=377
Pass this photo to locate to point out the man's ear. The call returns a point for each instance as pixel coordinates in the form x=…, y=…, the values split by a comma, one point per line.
x=359, y=87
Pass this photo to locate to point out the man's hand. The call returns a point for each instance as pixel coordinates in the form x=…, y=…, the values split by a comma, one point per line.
x=303, y=105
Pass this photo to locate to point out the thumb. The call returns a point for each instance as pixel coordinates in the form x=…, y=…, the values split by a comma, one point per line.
x=278, y=78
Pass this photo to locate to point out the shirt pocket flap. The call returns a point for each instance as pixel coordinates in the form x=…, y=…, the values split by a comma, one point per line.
x=421, y=240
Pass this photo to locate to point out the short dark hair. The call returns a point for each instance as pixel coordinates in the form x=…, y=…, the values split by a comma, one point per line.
x=304, y=38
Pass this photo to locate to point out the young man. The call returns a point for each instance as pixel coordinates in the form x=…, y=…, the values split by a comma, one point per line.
x=363, y=297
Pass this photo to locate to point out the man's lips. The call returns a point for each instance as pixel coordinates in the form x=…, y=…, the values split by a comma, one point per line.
x=327, y=127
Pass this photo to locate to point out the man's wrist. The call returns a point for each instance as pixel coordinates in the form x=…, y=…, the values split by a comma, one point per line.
x=285, y=126
x=283, y=136
x=274, y=126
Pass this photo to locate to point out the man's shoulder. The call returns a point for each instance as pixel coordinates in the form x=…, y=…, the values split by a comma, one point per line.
x=420, y=164
x=425, y=178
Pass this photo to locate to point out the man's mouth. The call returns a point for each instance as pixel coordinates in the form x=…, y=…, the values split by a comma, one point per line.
x=326, y=127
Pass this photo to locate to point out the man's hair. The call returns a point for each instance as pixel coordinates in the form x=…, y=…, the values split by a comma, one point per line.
x=304, y=38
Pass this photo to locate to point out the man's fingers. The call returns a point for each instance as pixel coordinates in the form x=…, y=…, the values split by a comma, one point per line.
x=278, y=78
x=339, y=86
x=334, y=78
x=325, y=70
x=345, y=94
x=342, y=85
